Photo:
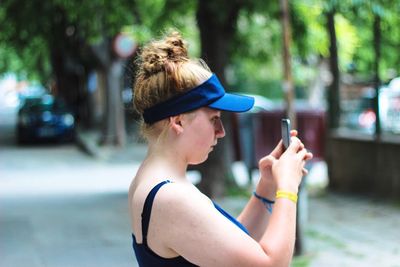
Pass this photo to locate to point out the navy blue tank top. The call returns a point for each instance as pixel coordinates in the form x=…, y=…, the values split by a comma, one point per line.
x=144, y=255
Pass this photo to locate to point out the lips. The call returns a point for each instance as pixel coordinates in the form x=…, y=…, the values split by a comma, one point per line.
x=212, y=147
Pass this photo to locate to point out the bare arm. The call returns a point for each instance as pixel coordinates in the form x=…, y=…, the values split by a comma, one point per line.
x=203, y=236
x=255, y=217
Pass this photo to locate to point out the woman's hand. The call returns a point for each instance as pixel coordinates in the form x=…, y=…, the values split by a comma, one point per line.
x=266, y=185
x=289, y=169
x=269, y=182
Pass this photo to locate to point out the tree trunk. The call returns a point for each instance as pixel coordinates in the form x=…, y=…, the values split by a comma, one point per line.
x=333, y=91
x=333, y=113
x=377, y=80
x=111, y=68
x=290, y=97
x=288, y=87
x=217, y=30
x=114, y=129
x=68, y=82
x=66, y=67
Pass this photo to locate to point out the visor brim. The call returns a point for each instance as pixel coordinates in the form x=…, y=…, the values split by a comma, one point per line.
x=233, y=103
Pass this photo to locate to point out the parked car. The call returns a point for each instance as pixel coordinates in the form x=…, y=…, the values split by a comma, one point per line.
x=358, y=114
x=389, y=104
x=44, y=118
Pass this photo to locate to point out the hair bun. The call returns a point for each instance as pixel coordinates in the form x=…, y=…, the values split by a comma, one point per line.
x=158, y=55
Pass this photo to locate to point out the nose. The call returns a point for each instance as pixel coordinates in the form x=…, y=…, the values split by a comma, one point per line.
x=219, y=129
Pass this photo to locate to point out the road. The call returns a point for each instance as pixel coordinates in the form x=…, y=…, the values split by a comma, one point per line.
x=60, y=207
x=345, y=231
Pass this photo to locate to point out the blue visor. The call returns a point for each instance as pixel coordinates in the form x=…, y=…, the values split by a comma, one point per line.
x=208, y=94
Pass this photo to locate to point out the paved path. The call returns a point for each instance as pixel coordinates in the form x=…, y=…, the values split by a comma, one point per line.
x=89, y=227
x=65, y=232
x=71, y=212
x=61, y=208
x=344, y=231
x=350, y=231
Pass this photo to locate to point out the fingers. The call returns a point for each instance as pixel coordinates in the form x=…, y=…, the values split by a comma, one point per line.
x=278, y=150
x=302, y=154
x=309, y=156
x=295, y=144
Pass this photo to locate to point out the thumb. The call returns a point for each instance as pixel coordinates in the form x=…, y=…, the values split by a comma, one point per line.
x=267, y=161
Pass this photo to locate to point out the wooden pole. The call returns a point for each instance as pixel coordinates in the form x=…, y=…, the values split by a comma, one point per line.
x=288, y=89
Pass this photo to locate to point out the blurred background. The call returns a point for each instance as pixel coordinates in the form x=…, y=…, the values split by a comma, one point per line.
x=70, y=141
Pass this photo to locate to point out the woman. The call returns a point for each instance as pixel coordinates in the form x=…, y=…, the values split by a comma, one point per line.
x=173, y=223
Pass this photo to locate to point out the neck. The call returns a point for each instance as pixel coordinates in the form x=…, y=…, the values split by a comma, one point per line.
x=168, y=159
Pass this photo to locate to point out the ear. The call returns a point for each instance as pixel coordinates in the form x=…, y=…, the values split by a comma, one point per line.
x=176, y=124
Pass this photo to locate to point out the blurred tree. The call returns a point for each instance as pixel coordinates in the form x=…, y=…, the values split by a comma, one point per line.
x=241, y=41
x=377, y=46
x=371, y=56
x=225, y=41
x=363, y=15
x=256, y=60
x=64, y=40
x=333, y=92
x=217, y=30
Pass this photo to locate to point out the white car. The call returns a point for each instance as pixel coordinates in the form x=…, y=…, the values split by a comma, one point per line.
x=389, y=106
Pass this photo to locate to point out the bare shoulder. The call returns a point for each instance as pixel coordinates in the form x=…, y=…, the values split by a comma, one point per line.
x=187, y=223
x=172, y=200
x=170, y=193
x=176, y=196
x=179, y=203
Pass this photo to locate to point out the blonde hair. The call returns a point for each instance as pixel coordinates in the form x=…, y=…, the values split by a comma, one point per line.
x=165, y=70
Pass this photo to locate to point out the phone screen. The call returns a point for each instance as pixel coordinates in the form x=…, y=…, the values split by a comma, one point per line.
x=285, y=127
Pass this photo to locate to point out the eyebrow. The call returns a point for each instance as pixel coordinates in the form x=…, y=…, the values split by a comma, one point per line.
x=216, y=113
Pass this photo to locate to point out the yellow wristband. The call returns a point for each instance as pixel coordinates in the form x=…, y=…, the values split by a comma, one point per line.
x=286, y=194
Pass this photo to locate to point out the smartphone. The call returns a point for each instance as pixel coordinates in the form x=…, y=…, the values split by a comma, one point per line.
x=285, y=128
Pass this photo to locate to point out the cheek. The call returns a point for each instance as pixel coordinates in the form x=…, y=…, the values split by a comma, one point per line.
x=202, y=140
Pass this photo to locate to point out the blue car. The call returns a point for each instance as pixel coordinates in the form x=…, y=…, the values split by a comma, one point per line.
x=44, y=118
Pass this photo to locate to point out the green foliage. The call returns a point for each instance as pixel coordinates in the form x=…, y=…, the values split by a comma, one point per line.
x=360, y=15
x=155, y=18
x=253, y=67
x=316, y=39
x=348, y=40
x=258, y=34
x=30, y=29
x=256, y=60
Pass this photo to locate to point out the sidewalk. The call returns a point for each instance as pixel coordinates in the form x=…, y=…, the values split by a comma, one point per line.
x=345, y=231
x=132, y=151
x=353, y=231
x=92, y=229
x=340, y=230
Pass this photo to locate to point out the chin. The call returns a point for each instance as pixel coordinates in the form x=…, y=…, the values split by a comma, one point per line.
x=198, y=161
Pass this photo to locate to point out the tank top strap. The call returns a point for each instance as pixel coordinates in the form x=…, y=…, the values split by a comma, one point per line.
x=148, y=204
